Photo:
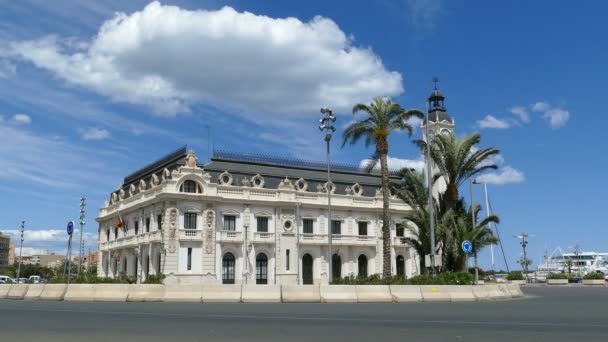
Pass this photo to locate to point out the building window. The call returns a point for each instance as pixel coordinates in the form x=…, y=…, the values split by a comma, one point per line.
x=228, y=269
x=115, y=233
x=336, y=227
x=190, y=186
x=189, y=266
x=308, y=224
x=261, y=269
x=107, y=234
x=287, y=259
x=362, y=265
x=159, y=221
x=147, y=224
x=190, y=221
x=400, y=266
x=400, y=230
x=230, y=223
x=336, y=266
x=136, y=227
x=362, y=228
x=262, y=224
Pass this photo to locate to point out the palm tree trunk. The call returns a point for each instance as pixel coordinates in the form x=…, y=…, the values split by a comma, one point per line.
x=452, y=194
x=386, y=218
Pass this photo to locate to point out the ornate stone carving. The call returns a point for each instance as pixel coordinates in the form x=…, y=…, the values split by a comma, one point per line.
x=225, y=178
x=155, y=180
x=121, y=194
x=301, y=185
x=288, y=223
x=172, y=230
x=357, y=189
x=348, y=190
x=286, y=184
x=379, y=192
x=245, y=182
x=132, y=189
x=320, y=188
x=166, y=174
x=114, y=197
x=330, y=186
x=210, y=222
x=191, y=160
x=142, y=185
x=258, y=181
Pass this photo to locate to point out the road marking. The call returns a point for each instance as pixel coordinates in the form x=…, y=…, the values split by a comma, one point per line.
x=295, y=318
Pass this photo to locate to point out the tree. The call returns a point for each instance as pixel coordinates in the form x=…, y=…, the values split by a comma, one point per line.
x=383, y=117
x=462, y=229
x=458, y=160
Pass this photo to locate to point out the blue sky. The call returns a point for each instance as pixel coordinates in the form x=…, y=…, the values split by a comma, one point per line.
x=88, y=96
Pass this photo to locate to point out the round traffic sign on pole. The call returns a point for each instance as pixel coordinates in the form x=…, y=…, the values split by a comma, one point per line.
x=70, y=228
x=467, y=246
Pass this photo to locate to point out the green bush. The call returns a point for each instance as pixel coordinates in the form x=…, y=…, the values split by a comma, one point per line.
x=450, y=278
x=515, y=276
x=155, y=279
x=560, y=276
x=594, y=276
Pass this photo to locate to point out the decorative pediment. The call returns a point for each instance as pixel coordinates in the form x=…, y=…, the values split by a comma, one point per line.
x=230, y=212
x=262, y=214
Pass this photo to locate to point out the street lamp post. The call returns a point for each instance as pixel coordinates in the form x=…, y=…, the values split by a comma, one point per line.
x=82, y=211
x=326, y=125
x=20, y=251
x=523, y=244
x=474, y=181
x=429, y=177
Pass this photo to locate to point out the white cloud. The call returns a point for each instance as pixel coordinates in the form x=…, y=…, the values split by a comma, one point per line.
x=169, y=58
x=557, y=117
x=21, y=119
x=7, y=69
x=506, y=175
x=540, y=107
x=491, y=122
x=398, y=164
x=522, y=113
x=94, y=133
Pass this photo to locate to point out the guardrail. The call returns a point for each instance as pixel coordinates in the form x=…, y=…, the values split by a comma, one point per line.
x=190, y=234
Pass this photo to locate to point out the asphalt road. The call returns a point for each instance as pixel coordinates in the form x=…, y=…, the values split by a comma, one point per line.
x=547, y=314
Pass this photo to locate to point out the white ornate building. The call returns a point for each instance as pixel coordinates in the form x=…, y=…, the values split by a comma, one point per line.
x=247, y=219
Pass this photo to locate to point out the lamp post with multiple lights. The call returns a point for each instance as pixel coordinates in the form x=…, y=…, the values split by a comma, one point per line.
x=20, y=251
x=83, y=203
x=326, y=125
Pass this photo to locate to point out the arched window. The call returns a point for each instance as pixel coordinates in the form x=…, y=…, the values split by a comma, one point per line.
x=190, y=186
x=307, y=278
x=400, y=266
x=261, y=269
x=362, y=265
x=228, y=269
x=336, y=266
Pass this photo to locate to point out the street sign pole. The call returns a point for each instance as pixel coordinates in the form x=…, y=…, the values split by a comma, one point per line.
x=70, y=230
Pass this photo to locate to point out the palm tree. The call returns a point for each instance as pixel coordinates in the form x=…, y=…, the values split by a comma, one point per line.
x=383, y=117
x=462, y=229
x=458, y=160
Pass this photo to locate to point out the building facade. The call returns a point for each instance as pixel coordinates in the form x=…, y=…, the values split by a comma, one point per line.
x=246, y=219
x=5, y=244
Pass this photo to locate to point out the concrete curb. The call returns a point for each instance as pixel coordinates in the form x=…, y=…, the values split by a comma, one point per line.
x=34, y=291
x=406, y=293
x=373, y=294
x=53, y=291
x=261, y=293
x=221, y=293
x=301, y=294
x=4, y=288
x=146, y=293
x=17, y=291
x=183, y=293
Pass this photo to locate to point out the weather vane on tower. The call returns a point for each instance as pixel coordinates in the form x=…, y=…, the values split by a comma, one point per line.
x=435, y=80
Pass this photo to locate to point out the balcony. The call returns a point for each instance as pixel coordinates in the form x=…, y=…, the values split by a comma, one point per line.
x=263, y=237
x=398, y=241
x=229, y=236
x=338, y=239
x=190, y=235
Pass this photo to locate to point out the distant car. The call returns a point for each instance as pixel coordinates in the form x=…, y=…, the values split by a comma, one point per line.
x=21, y=280
x=35, y=279
x=5, y=279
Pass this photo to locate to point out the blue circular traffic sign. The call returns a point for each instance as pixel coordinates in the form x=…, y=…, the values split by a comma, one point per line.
x=70, y=227
x=467, y=246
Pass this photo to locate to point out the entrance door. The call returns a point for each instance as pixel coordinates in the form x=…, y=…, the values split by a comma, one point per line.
x=307, y=269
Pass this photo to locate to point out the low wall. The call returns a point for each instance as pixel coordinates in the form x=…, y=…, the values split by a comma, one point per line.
x=261, y=293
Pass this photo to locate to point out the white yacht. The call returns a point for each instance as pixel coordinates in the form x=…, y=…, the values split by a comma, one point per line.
x=579, y=263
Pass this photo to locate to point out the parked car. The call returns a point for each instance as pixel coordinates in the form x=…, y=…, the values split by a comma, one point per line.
x=21, y=280
x=35, y=279
x=5, y=279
